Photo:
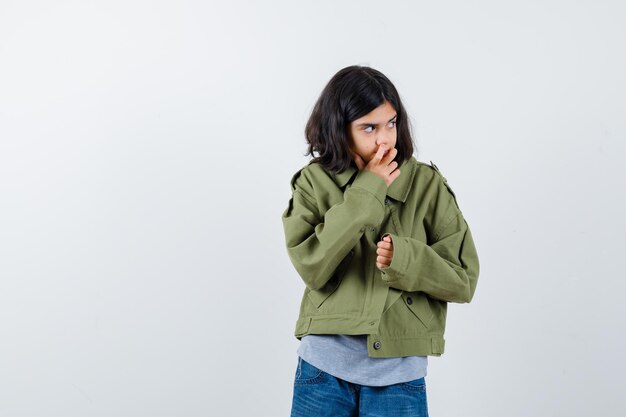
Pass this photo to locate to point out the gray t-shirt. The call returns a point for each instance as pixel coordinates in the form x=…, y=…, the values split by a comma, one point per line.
x=345, y=357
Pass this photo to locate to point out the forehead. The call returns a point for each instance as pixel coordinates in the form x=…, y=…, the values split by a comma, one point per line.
x=381, y=114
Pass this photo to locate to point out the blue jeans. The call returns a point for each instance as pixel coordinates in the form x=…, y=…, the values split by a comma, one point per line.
x=317, y=393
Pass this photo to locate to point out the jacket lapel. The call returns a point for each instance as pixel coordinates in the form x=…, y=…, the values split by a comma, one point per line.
x=399, y=189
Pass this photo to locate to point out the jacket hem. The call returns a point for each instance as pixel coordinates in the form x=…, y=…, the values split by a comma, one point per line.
x=336, y=325
x=378, y=346
x=390, y=347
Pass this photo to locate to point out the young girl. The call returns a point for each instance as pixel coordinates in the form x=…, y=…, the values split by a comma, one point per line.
x=381, y=245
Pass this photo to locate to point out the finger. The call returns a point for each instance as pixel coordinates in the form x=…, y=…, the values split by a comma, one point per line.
x=383, y=259
x=387, y=238
x=392, y=174
x=384, y=252
x=360, y=164
x=390, y=155
x=379, y=154
x=392, y=166
x=384, y=245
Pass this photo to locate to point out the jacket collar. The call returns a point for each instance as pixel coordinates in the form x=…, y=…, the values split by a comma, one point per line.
x=398, y=190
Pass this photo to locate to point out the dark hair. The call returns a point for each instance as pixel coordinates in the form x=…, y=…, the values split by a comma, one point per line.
x=352, y=93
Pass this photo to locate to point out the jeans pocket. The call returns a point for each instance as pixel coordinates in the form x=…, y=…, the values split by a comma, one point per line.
x=414, y=385
x=307, y=373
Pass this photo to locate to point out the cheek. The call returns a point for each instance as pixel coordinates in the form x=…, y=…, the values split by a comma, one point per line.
x=367, y=147
x=395, y=139
x=358, y=142
x=364, y=144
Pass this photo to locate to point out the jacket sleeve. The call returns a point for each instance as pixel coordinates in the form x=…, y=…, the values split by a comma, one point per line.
x=447, y=269
x=317, y=244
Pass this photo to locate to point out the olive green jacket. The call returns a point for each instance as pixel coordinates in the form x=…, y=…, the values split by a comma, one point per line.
x=332, y=226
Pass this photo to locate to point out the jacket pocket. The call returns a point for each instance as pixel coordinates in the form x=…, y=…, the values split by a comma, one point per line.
x=418, y=304
x=318, y=297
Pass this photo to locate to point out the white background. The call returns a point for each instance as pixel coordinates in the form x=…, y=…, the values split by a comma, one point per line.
x=146, y=150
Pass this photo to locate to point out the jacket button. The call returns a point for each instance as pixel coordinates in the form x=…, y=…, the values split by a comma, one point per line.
x=409, y=300
x=387, y=200
x=376, y=345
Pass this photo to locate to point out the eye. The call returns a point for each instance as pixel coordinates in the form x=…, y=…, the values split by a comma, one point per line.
x=392, y=124
x=369, y=129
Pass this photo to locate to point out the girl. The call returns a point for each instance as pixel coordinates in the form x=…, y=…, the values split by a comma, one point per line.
x=381, y=245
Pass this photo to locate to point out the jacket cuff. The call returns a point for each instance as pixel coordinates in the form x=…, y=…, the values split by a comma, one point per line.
x=371, y=182
x=396, y=270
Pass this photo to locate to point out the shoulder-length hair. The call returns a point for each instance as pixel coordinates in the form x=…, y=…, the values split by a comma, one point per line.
x=352, y=93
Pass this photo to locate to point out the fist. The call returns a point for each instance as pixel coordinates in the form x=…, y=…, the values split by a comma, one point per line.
x=384, y=252
x=382, y=164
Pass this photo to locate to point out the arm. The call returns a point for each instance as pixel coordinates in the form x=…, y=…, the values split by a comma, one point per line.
x=446, y=270
x=316, y=246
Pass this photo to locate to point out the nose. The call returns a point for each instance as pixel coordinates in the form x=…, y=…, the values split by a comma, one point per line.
x=382, y=139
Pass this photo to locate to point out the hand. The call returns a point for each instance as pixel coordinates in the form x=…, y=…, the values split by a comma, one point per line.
x=384, y=252
x=382, y=164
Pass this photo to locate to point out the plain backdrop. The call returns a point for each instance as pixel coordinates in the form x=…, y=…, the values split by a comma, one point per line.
x=146, y=149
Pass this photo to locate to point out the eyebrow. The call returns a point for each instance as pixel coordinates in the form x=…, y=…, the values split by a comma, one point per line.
x=374, y=124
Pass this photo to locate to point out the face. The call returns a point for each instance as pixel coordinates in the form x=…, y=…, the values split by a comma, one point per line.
x=377, y=127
